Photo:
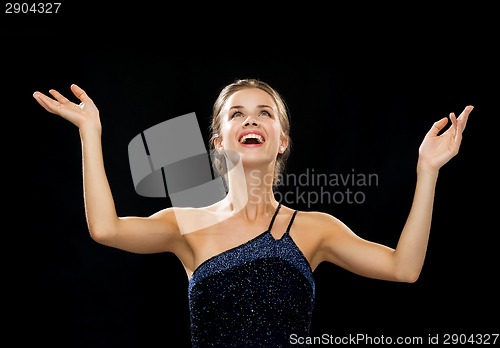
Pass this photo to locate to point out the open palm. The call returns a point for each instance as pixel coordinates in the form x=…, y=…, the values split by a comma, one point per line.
x=82, y=114
x=437, y=149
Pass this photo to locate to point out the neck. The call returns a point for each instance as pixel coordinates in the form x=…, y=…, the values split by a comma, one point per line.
x=251, y=190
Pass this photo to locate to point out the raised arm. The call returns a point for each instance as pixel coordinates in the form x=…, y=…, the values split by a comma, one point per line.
x=404, y=263
x=435, y=151
x=156, y=233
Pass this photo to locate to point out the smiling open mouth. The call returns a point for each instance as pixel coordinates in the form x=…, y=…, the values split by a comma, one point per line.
x=251, y=139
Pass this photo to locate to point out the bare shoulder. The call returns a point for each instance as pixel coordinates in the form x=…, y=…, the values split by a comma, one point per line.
x=167, y=217
x=186, y=220
x=164, y=214
x=321, y=227
x=320, y=221
x=311, y=230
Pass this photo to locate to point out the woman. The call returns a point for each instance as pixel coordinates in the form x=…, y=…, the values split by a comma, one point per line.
x=250, y=271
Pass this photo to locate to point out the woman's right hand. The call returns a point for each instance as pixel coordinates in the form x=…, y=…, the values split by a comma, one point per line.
x=82, y=115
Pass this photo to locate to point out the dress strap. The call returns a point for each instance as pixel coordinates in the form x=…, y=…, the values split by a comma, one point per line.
x=291, y=222
x=274, y=217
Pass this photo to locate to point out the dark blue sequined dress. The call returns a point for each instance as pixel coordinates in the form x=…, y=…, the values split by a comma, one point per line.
x=257, y=294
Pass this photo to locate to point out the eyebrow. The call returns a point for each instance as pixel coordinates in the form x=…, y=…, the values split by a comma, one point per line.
x=242, y=107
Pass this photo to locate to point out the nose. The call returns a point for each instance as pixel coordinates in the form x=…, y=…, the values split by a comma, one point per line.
x=251, y=120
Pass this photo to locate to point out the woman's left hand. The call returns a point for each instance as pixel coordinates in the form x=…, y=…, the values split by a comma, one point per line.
x=437, y=149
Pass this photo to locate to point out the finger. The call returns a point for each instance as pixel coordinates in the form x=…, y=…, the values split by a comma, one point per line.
x=80, y=93
x=47, y=103
x=457, y=133
x=464, y=116
x=37, y=95
x=437, y=127
x=59, y=97
x=453, y=119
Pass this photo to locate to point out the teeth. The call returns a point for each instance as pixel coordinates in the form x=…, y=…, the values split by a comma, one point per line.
x=251, y=135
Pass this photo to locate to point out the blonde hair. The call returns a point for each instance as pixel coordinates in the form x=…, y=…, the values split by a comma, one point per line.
x=215, y=126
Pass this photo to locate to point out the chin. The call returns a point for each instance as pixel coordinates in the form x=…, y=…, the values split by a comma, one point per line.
x=256, y=159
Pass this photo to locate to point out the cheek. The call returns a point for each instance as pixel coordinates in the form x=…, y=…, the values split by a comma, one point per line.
x=228, y=131
x=277, y=132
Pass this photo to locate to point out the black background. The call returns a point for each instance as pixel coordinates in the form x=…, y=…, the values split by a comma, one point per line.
x=361, y=98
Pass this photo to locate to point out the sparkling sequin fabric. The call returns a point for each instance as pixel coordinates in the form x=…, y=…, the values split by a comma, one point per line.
x=254, y=295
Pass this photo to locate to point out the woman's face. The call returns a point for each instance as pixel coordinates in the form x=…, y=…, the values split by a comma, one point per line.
x=250, y=126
